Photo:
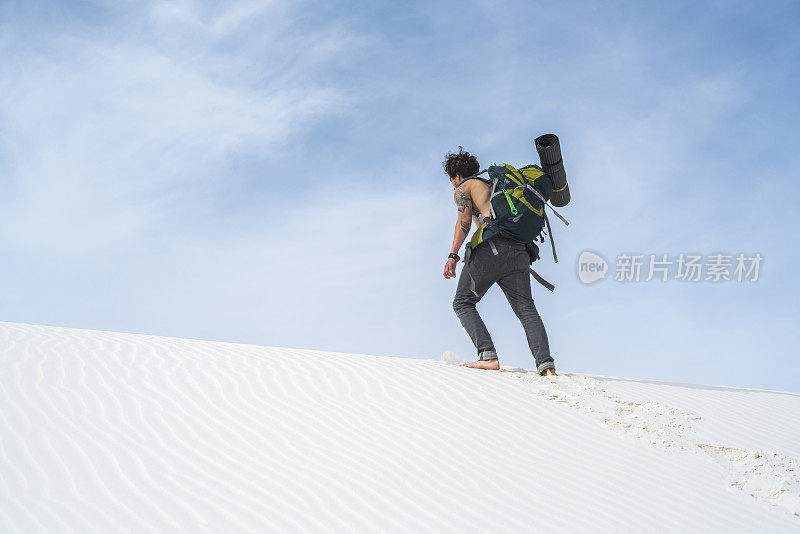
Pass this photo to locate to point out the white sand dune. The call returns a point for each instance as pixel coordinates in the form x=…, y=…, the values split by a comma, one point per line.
x=106, y=432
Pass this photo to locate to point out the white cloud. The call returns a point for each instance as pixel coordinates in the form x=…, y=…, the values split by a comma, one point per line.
x=109, y=137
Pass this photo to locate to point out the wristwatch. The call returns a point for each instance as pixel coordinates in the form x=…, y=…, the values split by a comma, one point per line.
x=454, y=256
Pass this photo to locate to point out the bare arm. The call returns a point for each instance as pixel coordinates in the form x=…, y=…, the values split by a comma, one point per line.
x=463, y=201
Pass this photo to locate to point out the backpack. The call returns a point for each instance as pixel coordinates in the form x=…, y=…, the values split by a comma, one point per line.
x=517, y=211
x=517, y=199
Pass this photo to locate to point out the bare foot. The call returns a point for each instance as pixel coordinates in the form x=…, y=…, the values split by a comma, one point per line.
x=492, y=365
x=549, y=372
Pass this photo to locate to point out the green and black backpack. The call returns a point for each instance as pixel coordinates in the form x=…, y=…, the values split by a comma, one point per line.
x=516, y=202
x=517, y=211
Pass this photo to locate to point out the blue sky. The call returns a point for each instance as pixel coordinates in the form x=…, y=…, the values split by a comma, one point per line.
x=270, y=172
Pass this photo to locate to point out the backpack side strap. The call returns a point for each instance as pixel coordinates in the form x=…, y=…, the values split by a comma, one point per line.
x=542, y=281
x=550, y=234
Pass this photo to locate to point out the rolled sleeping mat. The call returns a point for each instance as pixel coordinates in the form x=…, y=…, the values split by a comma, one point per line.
x=549, y=150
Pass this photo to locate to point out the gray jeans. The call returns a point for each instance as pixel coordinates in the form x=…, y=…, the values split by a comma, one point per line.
x=509, y=268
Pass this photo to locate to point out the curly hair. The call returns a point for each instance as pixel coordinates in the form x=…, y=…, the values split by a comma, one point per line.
x=461, y=163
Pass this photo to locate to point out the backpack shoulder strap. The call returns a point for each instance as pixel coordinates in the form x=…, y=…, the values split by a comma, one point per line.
x=484, y=171
x=491, y=183
x=484, y=180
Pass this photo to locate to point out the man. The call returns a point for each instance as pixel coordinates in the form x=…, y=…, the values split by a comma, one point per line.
x=508, y=267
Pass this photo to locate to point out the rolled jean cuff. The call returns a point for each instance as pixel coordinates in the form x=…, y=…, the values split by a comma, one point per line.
x=487, y=355
x=546, y=365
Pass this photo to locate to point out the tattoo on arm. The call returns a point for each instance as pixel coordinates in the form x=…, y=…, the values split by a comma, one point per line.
x=463, y=200
x=465, y=227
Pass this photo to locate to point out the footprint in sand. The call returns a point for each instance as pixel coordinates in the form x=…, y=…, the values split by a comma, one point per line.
x=657, y=423
x=768, y=477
